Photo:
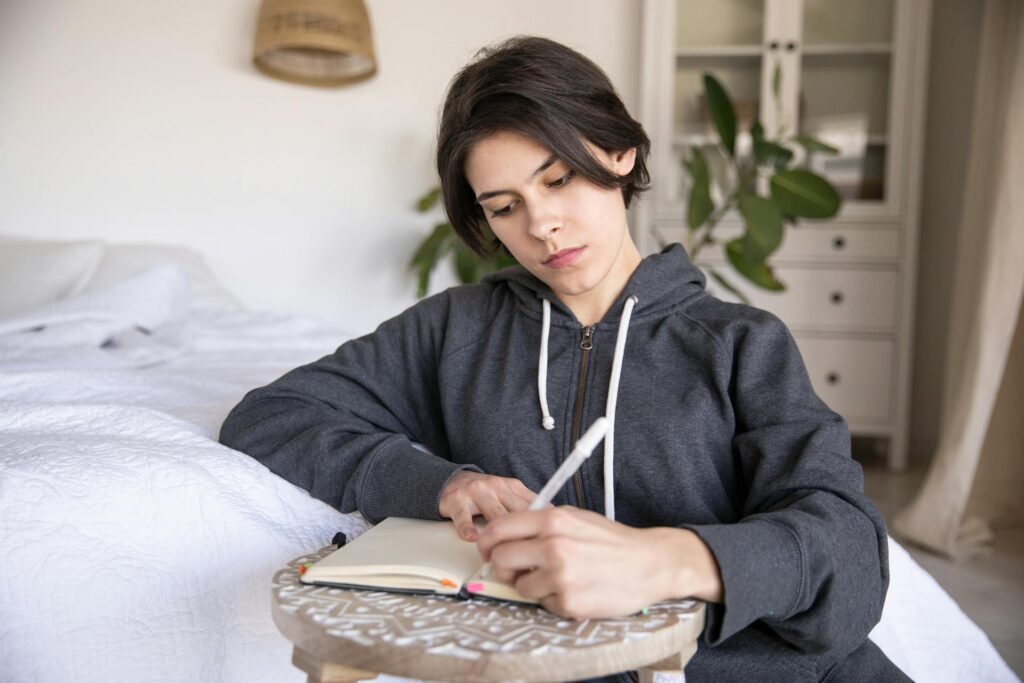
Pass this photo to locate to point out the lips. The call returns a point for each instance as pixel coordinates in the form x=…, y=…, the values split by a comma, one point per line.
x=563, y=258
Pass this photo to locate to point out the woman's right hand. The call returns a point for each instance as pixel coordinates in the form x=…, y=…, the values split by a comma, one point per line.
x=470, y=493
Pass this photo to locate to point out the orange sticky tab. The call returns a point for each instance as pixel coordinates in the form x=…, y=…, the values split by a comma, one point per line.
x=449, y=583
x=303, y=568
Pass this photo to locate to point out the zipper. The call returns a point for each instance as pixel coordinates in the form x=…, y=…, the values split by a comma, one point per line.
x=586, y=343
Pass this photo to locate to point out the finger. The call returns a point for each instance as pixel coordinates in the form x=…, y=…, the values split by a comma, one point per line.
x=515, y=557
x=513, y=499
x=553, y=603
x=489, y=505
x=520, y=489
x=514, y=526
x=462, y=517
x=535, y=585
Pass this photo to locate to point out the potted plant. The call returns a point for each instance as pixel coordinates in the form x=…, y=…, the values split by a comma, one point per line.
x=443, y=243
x=795, y=192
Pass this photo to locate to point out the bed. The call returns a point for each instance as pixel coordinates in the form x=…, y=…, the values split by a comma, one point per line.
x=134, y=546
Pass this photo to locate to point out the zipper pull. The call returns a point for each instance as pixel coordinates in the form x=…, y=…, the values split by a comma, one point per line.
x=587, y=342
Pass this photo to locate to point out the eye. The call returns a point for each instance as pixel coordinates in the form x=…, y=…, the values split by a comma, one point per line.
x=563, y=181
x=503, y=212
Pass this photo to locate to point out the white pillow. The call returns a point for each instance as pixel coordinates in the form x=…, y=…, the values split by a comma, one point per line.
x=34, y=273
x=122, y=261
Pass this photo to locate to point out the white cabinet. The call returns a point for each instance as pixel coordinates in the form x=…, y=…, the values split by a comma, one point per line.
x=851, y=74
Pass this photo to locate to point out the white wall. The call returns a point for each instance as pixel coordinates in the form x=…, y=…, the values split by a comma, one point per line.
x=133, y=120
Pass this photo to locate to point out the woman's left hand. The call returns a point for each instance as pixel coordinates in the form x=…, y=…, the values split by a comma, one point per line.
x=580, y=564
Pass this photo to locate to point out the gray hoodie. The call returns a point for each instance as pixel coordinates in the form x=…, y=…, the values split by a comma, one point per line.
x=716, y=429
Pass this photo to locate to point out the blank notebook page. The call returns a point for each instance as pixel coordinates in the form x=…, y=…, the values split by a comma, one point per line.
x=399, y=542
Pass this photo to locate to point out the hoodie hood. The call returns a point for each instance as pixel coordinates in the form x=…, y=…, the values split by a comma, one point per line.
x=660, y=281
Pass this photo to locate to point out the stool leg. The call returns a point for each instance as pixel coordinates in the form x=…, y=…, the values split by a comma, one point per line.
x=319, y=671
x=673, y=664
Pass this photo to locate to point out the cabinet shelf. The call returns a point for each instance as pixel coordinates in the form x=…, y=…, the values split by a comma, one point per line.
x=689, y=139
x=754, y=51
x=718, y=51
x=846, y=49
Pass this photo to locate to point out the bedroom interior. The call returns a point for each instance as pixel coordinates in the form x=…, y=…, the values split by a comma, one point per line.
x=188, y=210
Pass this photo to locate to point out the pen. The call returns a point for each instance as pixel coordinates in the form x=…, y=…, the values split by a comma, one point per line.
x=584, y=447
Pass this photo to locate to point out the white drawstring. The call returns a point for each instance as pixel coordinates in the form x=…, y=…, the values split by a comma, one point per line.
x=609, y=411
x=547, y=422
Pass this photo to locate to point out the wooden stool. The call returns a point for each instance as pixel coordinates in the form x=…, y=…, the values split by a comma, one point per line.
x=343, y=635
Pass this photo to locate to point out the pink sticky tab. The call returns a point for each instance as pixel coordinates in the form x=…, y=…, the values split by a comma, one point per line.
x=474, y=587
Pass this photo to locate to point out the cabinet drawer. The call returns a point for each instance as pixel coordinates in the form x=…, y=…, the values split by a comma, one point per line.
x=810, y=243
x=836, y=299
x=852, y=376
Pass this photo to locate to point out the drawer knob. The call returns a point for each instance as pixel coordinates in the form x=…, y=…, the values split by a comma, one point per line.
x=774, y=45
x=839, y=242
x=790, y=46
x=832, y=378
x=836, y=297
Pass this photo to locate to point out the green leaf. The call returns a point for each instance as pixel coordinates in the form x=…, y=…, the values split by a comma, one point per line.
x=761, y=274
x=722, y=112
x=764, y=227
x=728, y=285
x=772, y=154
x=429, y=253
x=801, y=193
x=814, y=145
x=766, y=152
x=503, y=260
x=427, y=201
x=429, y=249
x=466, y=264
x=699, y=206
x=756, y=132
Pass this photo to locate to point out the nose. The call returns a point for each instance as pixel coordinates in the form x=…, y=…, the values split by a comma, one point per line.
x=544, y=222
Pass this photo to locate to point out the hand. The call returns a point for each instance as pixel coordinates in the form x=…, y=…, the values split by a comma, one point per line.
x=470, y=493
x=580, y=564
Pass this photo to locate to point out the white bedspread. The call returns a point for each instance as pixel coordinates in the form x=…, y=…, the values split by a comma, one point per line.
x=134, y=547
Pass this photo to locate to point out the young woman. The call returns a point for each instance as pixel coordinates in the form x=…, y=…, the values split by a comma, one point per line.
x=724, y=477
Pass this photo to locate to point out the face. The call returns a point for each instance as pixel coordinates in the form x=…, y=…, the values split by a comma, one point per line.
x=567, y=231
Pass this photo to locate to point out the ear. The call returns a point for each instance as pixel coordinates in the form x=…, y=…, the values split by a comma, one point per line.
x=623, y=162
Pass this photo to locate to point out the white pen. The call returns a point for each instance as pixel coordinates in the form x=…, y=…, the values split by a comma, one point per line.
x=584, y=447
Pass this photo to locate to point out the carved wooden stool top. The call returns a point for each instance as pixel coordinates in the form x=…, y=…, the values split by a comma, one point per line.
x=446, y=638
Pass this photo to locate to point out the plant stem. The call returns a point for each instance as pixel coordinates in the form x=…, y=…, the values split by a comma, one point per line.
x=695, y=244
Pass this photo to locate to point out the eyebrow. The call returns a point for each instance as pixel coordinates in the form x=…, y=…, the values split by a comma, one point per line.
x=540, y=169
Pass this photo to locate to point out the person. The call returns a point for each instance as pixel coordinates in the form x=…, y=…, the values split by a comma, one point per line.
x=724, y=477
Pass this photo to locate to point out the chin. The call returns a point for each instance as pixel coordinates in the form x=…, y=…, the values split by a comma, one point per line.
x=573, y=284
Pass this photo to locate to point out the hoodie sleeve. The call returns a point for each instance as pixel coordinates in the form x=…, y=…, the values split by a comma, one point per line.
x=808, y=557
x=343, y=427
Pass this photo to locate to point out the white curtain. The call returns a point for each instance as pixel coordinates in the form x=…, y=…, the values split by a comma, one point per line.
x=977, y=470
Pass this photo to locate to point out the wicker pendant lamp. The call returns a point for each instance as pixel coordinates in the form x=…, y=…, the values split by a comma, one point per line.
x=315, y=42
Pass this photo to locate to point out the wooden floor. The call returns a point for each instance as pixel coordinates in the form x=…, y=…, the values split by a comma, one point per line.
x=989, y=589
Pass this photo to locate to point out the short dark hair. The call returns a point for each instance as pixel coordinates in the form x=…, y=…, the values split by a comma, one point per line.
x=544, y=91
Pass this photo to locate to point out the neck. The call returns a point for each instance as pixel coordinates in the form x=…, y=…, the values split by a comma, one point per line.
x=590, y=307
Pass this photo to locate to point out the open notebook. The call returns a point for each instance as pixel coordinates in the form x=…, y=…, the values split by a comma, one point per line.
x=410, y=556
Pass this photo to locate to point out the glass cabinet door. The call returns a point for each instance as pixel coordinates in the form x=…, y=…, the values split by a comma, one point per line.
x=836, y=60
x=722, y=37
x=845, y=84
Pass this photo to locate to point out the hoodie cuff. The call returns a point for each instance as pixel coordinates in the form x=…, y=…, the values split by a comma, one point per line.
x=403, y=481
x=761, y=564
